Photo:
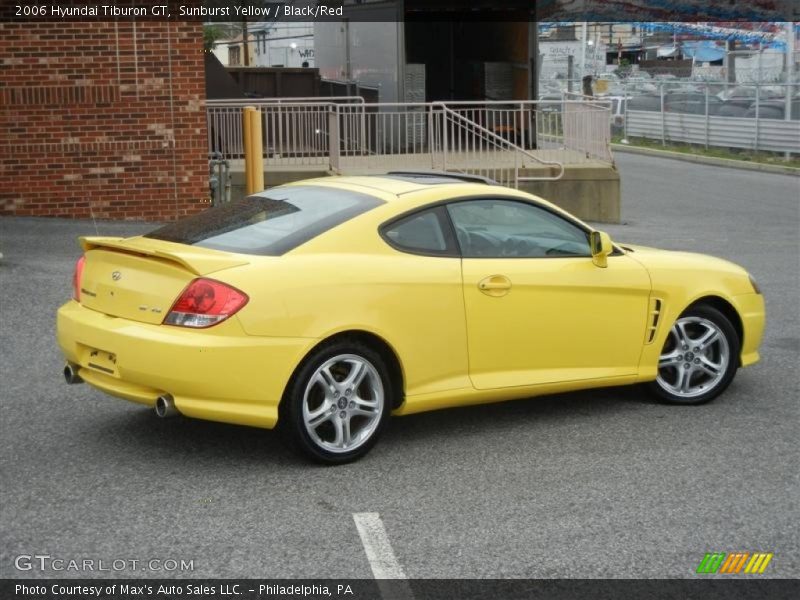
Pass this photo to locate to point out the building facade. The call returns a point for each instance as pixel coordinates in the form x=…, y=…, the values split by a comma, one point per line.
x=103, y=119
x=274, y=44
x=418, y=60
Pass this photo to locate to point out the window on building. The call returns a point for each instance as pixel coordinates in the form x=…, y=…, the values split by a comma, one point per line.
x=234, y=55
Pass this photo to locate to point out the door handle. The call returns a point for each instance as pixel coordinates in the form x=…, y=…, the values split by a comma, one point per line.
x=495, y=285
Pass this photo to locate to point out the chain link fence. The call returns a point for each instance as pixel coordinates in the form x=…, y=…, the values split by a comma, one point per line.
x=760, y=118
x=703, y=110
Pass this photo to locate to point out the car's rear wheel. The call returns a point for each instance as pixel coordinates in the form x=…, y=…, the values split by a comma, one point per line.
x=338, y=403
x=699, y=358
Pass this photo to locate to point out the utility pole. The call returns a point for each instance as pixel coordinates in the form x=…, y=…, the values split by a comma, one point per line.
x=790, y=41
x=731, y=56
x=584, y=35
x=245, y=44
x=570, y=72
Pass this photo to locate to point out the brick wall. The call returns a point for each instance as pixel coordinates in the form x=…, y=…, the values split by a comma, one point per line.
x=102, y=118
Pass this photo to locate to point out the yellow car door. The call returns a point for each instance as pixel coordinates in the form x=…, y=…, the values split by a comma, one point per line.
x=538, y=309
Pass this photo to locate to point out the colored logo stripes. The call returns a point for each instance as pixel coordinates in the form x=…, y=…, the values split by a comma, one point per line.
x=735, y=562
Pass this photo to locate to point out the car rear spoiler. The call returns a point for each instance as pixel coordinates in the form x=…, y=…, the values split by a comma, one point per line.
x=200, y=261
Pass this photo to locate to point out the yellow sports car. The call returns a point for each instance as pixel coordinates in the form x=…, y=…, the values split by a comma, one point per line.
x=325, y=305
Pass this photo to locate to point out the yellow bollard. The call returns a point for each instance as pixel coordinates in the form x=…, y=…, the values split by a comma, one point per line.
x=253, y=150
x=248, y=153
x=257, y=149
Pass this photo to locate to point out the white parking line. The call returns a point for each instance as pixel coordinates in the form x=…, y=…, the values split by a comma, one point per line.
x=376, y=544
x=392, y=580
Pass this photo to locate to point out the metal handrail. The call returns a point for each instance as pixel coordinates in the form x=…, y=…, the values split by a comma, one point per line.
x=321, y=100
x=509, y=145
x=338, y=100
x=355, y=135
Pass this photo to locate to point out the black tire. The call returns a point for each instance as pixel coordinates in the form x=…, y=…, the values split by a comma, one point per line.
x=291, y=421
x=659, y=387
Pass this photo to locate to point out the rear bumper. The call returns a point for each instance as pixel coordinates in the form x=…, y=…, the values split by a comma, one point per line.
x=219, y=374
x=751, y=310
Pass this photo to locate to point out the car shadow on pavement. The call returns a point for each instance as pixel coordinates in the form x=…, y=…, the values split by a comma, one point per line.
x=206, y=442
x=195, y=439
x=538, y=411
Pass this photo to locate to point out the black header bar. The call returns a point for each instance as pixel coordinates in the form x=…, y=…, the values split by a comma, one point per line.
x=711, y=11
x=741, y=588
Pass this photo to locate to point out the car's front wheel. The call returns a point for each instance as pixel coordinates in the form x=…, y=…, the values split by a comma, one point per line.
x=699, y=358
x=338, y=402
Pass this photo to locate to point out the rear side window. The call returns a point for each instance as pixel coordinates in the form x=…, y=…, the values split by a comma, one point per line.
x=270, y=223
x=423, y=232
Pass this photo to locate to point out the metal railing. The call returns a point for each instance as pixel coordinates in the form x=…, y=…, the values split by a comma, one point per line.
x=295, y=130
x=577, y=125
x=259, y=102
x=380, y=136
x=508, y=141
x=584, y=128
x=470, y=147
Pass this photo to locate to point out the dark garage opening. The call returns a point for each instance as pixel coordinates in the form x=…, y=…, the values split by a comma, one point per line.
x=470, y=60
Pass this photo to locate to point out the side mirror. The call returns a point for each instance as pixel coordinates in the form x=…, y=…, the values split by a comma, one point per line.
x=601, y=247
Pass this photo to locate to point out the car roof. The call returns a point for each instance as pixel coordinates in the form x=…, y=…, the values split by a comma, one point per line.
x=396, y=184
x=394, y=188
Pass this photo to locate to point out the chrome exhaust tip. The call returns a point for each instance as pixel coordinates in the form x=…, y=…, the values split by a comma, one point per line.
x=165, y=407
x=71, y=374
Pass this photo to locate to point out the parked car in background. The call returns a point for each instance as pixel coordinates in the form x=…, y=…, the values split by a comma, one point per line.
x=618, y=107
x=551, y=102
x=723, y=104
x=649, y=102
x=691, y=103
x=746, y=94
x=774, y=109
x=733, y=109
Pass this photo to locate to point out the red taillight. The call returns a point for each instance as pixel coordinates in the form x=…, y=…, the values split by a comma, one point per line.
x=77, y=275
x=204, y=303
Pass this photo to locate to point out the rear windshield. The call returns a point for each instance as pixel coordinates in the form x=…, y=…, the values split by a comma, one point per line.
x=270, y=223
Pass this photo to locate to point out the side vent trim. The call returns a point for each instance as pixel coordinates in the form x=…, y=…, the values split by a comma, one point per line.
x=653, y=318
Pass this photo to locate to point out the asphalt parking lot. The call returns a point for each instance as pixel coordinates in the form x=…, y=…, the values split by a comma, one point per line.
x=594, y=484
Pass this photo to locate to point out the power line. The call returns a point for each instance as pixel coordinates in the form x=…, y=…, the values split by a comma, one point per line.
x=290, y=37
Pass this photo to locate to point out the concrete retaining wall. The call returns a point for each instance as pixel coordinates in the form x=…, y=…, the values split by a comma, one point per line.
x=590, y=192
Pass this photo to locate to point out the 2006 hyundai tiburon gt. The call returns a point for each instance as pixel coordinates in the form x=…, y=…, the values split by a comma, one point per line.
x=325, y=305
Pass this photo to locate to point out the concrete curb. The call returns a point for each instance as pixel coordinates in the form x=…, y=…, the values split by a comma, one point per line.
x=708, y=160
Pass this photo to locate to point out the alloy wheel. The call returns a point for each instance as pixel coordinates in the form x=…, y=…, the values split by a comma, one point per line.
x=694, y=359
x=343, y=403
